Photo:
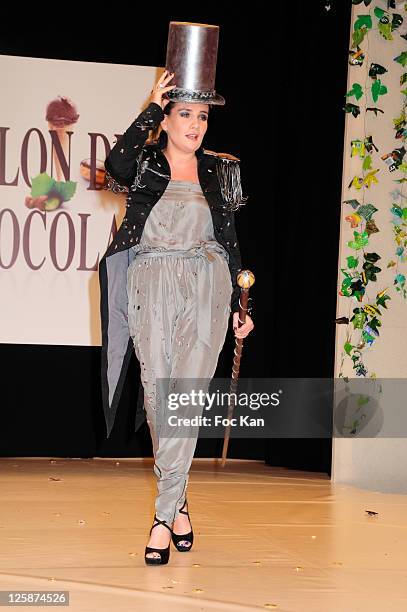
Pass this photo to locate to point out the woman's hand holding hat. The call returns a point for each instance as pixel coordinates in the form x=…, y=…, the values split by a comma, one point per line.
x=160, y=88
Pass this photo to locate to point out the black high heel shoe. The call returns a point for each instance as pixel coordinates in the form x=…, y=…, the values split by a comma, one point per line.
x=164, y=552
x=189, y=537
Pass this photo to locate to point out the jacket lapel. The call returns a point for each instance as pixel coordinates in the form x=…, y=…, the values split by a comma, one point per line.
x=158, y=165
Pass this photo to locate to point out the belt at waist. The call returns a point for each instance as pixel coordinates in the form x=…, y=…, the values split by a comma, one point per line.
x=204, y=280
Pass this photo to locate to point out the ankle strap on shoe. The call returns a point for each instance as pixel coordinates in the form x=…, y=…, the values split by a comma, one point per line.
x=159, y=522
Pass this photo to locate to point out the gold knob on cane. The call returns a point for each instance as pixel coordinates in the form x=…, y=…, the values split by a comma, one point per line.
x=245, y=279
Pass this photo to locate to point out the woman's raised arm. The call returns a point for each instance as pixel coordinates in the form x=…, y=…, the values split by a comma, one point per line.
x=121, y=161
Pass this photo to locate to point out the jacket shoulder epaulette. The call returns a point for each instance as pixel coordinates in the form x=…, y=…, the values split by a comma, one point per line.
x=228, y=156
x=228, y=171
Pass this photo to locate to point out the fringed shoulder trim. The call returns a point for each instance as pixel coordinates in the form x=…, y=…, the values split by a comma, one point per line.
x=228, y=171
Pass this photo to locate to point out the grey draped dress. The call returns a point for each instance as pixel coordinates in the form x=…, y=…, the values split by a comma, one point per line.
x=179, y=291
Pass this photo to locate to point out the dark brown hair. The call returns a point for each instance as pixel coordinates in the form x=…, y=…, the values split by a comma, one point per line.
x=158, y=134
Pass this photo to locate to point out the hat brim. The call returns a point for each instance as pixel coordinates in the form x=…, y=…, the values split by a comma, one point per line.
x=197, y=97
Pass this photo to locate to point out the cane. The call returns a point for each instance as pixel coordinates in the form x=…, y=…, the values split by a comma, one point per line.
x=245, y=280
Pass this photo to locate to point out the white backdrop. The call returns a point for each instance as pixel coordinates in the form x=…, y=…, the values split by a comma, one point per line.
x=48, y=305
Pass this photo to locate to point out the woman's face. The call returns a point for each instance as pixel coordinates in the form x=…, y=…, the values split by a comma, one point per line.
x=186, y=125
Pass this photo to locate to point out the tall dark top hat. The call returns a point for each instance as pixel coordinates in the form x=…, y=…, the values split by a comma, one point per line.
x=192, y=51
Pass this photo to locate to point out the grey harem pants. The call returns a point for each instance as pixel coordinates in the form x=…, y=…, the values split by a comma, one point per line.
x=178, y=313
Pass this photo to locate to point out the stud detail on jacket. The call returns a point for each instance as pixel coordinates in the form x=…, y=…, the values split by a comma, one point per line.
x=112, y=185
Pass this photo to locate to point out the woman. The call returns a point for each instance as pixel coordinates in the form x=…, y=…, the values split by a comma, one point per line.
x=178, y=278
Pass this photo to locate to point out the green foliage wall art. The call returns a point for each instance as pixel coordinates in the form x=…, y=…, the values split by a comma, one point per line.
x=376, y=160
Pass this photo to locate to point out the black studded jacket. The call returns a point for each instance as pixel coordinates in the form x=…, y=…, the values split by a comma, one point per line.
x=142, y=171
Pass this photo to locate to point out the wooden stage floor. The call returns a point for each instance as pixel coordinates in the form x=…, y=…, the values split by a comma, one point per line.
x=266, y=538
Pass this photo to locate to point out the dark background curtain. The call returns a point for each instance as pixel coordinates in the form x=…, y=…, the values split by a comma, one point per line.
x=284, y=78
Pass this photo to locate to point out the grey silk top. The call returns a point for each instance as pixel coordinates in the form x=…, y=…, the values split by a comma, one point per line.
x=180, y=225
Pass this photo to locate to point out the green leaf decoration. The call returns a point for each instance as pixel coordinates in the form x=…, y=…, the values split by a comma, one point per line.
x=397, y=210
x=402, y=58
x=65, y=189
x=360, y=240
x=375, y=323
x=358, y=319
x=367, y=337
x=358, y=37
x=348, y=348
x=403, y=78
x=345, y=288
x=352, y=261
x=371, y=271
x=357, y=91
x=366, y=211
x=41, y=184
x=378, y=89
x=399, y=122
x=378, y=12
x=352, y=287
x=367, y=162
x=385, y=30
x=363, y=21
